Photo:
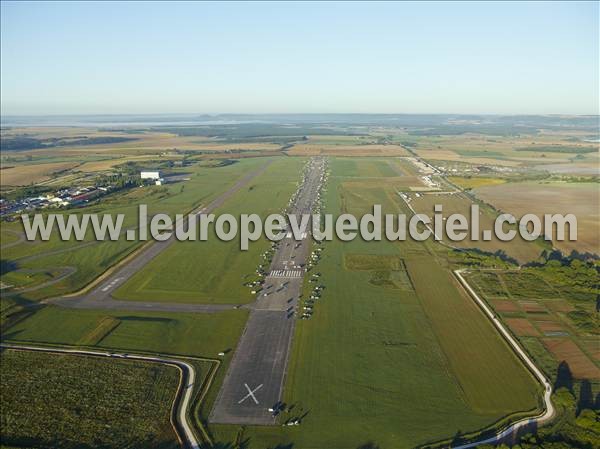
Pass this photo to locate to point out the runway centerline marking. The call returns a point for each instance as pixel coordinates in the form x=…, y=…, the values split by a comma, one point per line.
x=250, y=394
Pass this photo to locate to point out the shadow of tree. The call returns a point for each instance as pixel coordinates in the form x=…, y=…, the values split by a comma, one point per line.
x=564, y=377
x=586, y=396
x=6, y=266
x=368, y=445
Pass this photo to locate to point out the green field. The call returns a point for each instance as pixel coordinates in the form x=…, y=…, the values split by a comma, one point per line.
x=91, y=258
x=214, y=271
x=69, y=401
x=391, y=365
x=182, y=334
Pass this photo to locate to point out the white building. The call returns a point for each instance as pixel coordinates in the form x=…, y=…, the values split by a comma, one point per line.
x=150, y=175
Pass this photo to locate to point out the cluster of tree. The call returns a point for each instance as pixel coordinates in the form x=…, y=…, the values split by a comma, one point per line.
x=475, y=257
x=578, y=272
x=569, y=149
x=120, y=181
x=22, y=143
x=577, y=425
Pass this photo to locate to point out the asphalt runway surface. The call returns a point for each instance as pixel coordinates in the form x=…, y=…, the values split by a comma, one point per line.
x=255, y=379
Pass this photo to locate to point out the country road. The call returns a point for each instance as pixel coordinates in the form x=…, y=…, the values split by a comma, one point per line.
x=182, y=400
x=549, y=411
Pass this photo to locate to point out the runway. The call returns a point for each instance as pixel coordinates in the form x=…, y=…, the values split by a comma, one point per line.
x=100, y=296
x=255, y=379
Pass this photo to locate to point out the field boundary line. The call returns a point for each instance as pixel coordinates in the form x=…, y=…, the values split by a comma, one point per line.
x=548, y=413
x=181, y=402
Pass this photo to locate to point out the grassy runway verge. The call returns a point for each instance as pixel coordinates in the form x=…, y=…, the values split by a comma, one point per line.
x=214, y=271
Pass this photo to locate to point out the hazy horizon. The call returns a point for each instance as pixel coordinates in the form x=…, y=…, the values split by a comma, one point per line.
x=414, y=58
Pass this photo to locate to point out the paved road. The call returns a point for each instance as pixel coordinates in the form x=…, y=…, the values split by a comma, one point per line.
x=65, y=273
x=20, y=239
x=100, y=297
x=524, y=423
x=182, y=400
x=256, y=375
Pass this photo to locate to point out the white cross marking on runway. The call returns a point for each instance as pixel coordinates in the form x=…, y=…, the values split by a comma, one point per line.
x=250, y=394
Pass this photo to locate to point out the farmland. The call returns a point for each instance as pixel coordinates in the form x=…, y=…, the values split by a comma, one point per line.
x=458, y=203
x=579, y=198
x=93, y=413
x=551, y=308
x=394, y=355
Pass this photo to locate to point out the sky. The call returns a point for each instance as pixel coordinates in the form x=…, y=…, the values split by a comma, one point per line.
x=267, y=57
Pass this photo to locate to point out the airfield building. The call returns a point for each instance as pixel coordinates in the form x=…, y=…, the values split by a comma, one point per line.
x=154, y=175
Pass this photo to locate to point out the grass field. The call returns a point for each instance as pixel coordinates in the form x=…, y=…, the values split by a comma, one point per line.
x=91, y=258
x=214, y=270
x=202, y=335
x=85, y=401
x=185, y=335
x=394, y=367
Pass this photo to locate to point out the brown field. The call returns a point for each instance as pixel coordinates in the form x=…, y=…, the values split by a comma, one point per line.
x=573, y=168
x=580, y=199
x=449, y=155
x=147, y=142
x=481, y=149
x=564, y=349
x=592, y=347
x=310, y=149
x=505, y=306
x=22, y=175
x=531, y=306
x=522, y=327
x=549, y=326
x=458, y=203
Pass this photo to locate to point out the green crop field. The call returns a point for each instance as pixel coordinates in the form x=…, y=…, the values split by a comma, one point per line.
x=69, y=401
x=215, y=271
x=389, y=365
